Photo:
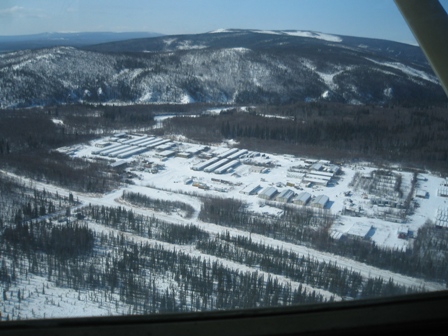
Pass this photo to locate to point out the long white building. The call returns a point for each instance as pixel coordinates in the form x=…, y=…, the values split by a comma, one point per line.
x=155, y=144
x=134, y=140
x=146, y=139
x=202, y=165
x=120, y=151
x=237, y=154
x=112, y=150
x=149, y=142
x=229, y=152
x=132, y=152
x=216, y=165
x=223, y=169
x=99, y=151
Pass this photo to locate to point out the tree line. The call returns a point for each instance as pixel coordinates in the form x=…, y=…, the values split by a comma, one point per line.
x=297, y=226
x=413, y=136
x=21, y=203
x=426, y=259
x=328, y=276
x=27, y=143
x=127, y=271
x=157, y=204
x=148, y=227
x=123, y=271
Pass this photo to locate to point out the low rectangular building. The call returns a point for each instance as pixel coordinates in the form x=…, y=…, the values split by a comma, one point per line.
x=202, y=165
x=443, y=191
x=185, y=155
x=228, y=153
x=227, y=166
x=268, y=193
x=361, y=231
x=165, y=146
x=321, y=173
x=302, y=199
x=257, y=169
x=216, y=165
x=320, y=202
x=166, y=154
x=250, y=189
x=295, y=175
x=315, y=181
x=421, y=193
x=120, y=135
x=285, y=196
x=102, y=144
x=442, y=218
x=121, y=164
x=316, y=166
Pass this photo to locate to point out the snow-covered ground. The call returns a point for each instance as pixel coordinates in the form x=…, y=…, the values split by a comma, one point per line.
x=169, y=183
x=302, y=33
x=41, y=298
x=299, y=33
x=408, y=70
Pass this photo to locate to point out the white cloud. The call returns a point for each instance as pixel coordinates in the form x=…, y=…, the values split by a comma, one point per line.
x=11, y=11
x=21, y=12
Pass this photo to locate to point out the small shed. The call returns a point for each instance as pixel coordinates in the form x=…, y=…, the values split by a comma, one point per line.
x=421, y=193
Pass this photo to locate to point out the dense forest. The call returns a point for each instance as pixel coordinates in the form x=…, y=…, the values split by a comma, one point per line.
x=428, y=258
x=329, y=276
x=127, y=269
x=158, y=204
x=411, y=136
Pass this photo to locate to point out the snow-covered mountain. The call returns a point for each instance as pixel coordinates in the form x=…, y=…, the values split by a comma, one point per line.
x=223, y=66
x=47, y=40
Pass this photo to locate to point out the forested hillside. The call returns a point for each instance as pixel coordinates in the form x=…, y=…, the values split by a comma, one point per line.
x=247, y=67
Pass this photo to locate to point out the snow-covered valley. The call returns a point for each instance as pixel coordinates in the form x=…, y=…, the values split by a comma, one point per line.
x=357, y=213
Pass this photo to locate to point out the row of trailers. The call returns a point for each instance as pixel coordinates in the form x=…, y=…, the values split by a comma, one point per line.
x=222, y=163
x=130, y=147
x=442, y=218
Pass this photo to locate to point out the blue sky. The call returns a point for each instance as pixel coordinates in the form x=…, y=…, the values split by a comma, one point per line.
x=365, y=18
